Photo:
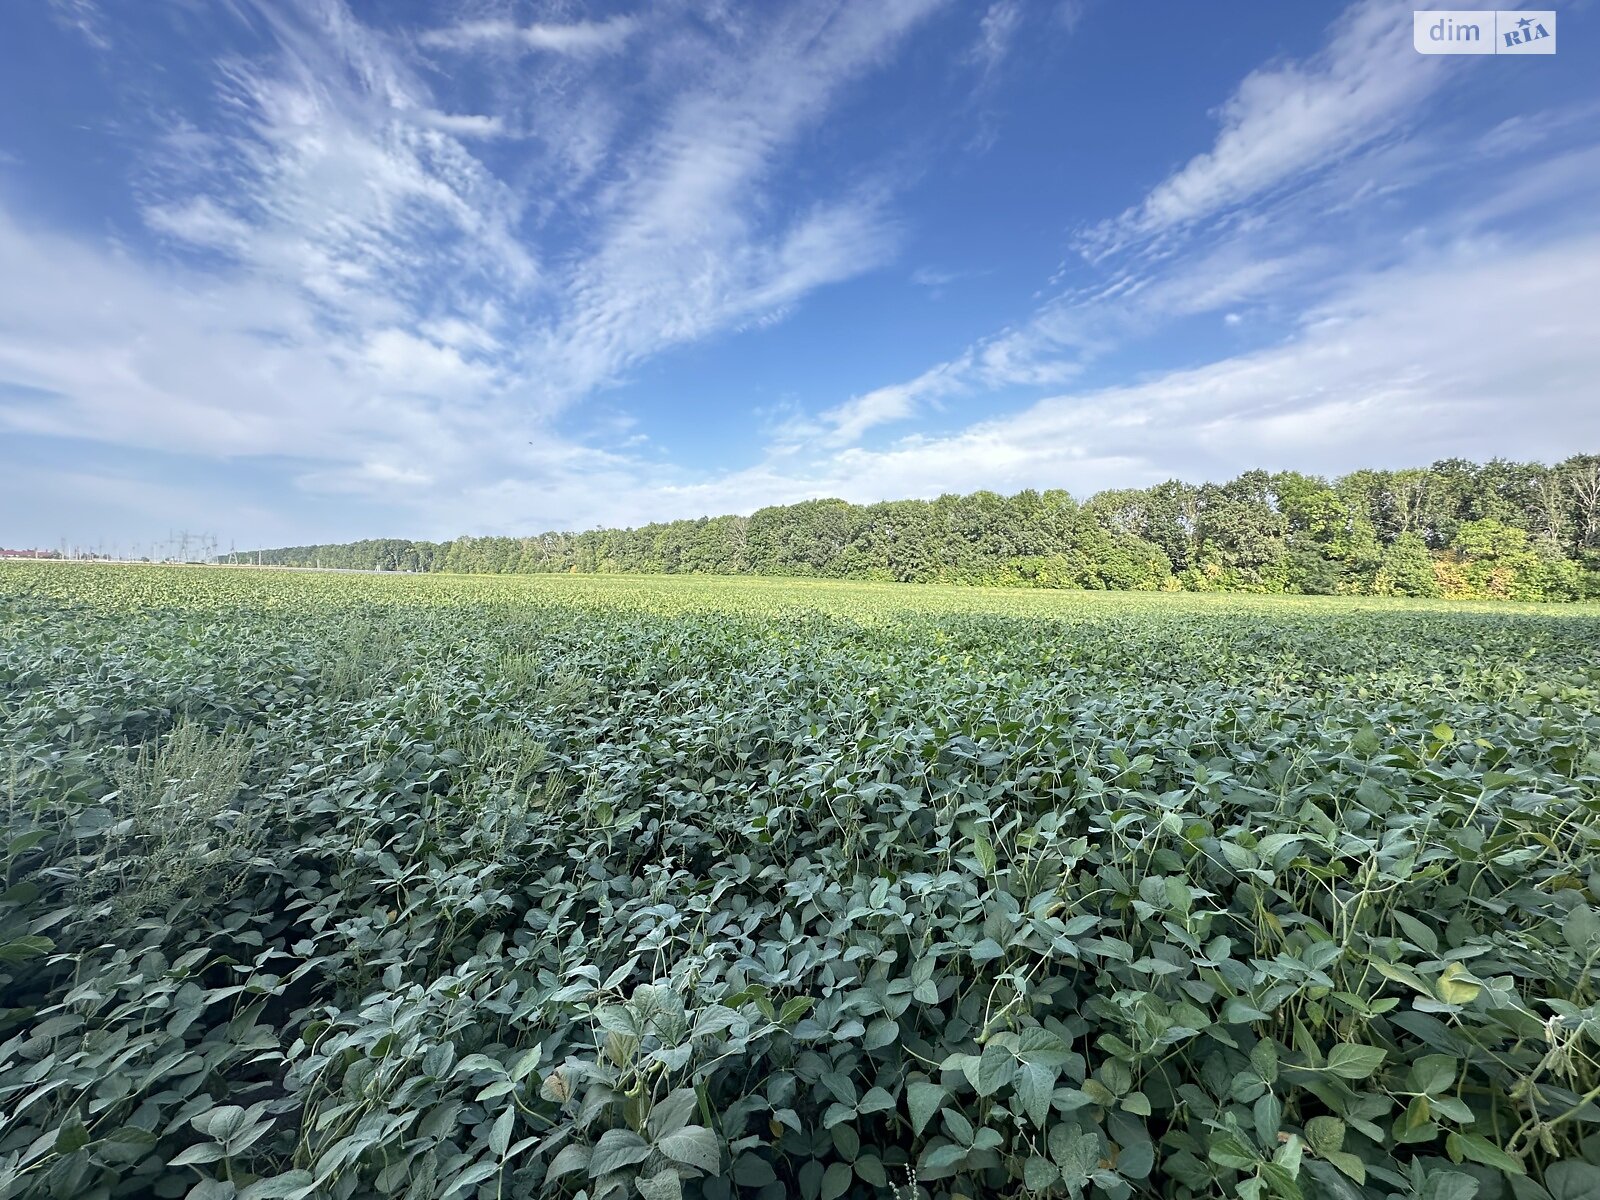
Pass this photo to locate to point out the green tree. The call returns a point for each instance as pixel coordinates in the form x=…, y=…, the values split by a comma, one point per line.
x=1407, y=569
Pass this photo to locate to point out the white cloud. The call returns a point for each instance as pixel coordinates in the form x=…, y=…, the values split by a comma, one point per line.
x=397, y=319
x=1285, y=133
x=333, y=184
x=1417, y=362
x=686, y=247
x=355, y=291
x=997, y=29
x=85, y=17
x=346, y=179
x=844, y=424
x=177, y=361
x=1292, y=118
x=1069, y=12
x=578, y=38
x=408, y=363
x=371, y=477
x=1421, y=361
x=1063, y=336
x=472, y=125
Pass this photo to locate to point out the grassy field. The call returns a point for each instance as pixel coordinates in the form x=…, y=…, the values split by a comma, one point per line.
x=438, y=886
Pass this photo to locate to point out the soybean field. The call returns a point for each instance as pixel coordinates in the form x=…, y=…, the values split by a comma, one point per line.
x=447, y=887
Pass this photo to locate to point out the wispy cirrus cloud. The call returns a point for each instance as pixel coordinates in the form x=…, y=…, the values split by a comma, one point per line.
x=357, y=281
x=997, y=30
x=85, y=17
x=345, y=179
x=1293, y=118
x=685, y=246
x=402, y=267
x=1283, y=135
x=1400, y=366
x=1058, y=341
x=338, y=175
x=577, y=38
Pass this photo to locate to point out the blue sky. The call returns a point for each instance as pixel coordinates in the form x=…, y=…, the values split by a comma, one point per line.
x=314, y=270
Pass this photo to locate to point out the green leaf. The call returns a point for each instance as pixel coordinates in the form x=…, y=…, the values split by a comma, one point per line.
x=500, y=1134
x=205, y=1152
x=673, y=1112
x=1116, y=1076
x=1039, y=1045
x=1228, y=1151
x=1268, y=1116
x=881, y=1032
x=1480, y=1150
x=1418, y=932
x=996, y=1067
x=73, y=1136
x=1033, y=1085
x=1349, y=1060
x=836, y=1180
x=1450, y=1185
x=498, y=1088
x=939, y=1161
x=986, y=951
x=1348, y=1164
x=958, y=1127
x=221, y=1122
x=695, y=1145
x=751, y=1170
x=869, y=1167
x=616, y=1149
x=1136, y=1103
x=1241, y=1012
x=1264, y=1058
x=126, y=1144
x=1582, y=928
x=1075, y=1151
x=1135, y=1161
x=92, y=821
x=983, y=851
x=292, y=1185
x=877, y=1099
x=923, y=1099
x=1365, y=742
x=571, y=1158
x=1039, y=1173
x=1433, y=1073
x=26, y=841
x=526, y=1064
x=1572, y=1180
x=1401, y=974
x=440, y=1120
x=794, y=1009
x=23, y=948
x=663, y=1185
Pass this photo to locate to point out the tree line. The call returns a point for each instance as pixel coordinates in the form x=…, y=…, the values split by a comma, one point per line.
x=1495, y=530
